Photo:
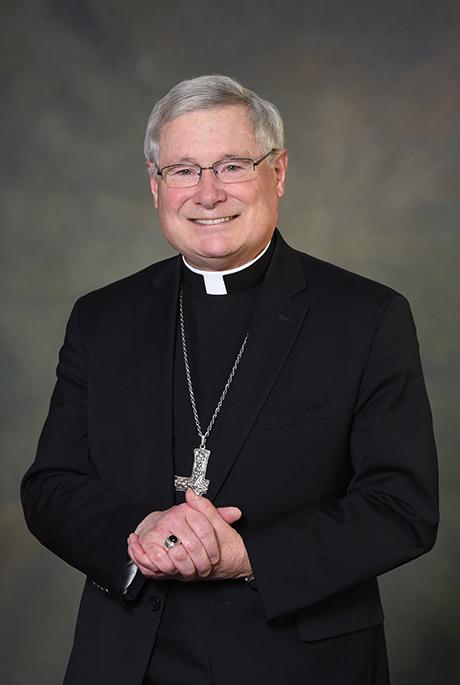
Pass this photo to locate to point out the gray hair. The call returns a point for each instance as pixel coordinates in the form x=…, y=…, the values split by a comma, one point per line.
x=207, y=92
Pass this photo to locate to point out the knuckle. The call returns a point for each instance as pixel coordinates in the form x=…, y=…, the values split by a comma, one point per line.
x=201, y=525
x=203, y=531
x=194, y=547
x=157, y=555
x=204, y=571
x=188, y=575
x=168, y=568
x=195, y=516
x=172, y=511
x=178, y=553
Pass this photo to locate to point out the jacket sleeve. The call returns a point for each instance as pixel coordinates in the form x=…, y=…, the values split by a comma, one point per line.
x=389, y=513
x=66, y=504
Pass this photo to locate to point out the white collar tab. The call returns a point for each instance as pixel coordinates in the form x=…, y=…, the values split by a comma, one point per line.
x=214, y=280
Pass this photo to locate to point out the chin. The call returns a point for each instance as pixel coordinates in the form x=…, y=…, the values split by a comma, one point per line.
x=213, y=259
x=216, y=247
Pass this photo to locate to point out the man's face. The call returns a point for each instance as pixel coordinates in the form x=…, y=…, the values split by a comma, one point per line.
x=247, y=211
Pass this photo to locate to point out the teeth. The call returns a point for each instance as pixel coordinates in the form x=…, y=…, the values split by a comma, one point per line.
x=211, y=222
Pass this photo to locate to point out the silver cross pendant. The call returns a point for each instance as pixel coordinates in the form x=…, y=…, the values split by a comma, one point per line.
x=197, y=480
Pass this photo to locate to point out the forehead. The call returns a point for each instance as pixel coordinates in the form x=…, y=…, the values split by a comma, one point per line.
x=207, y=135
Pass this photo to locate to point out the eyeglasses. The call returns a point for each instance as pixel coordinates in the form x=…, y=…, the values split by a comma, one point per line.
x=232, y=170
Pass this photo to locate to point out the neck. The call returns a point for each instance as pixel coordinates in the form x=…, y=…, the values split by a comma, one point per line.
x=226, y=272
x=217, y=282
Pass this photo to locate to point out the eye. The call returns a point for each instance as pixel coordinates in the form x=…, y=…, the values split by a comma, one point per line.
x=183, y=171
x=232, y=167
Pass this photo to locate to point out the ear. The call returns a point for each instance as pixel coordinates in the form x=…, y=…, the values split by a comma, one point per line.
x=153, y=183
x=280, y=168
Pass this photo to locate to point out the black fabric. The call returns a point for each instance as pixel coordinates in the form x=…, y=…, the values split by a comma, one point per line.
x=180, y=655
x=213, y=630
x=215, y=327
x=328, y=451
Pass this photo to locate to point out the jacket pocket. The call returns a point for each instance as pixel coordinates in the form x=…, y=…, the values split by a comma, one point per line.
x=346, y=612
x=299, y=413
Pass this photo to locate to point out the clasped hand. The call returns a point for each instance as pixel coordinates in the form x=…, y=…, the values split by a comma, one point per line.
x=210, y=548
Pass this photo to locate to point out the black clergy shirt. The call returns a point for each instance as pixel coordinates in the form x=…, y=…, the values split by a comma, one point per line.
x=215, y=327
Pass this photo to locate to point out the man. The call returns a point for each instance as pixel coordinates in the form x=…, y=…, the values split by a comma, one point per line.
x=239, y=440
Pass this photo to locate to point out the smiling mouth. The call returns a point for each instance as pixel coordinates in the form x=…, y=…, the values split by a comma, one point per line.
x=213, y=222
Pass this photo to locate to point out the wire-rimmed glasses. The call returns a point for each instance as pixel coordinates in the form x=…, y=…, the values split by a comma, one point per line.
x=231, y=170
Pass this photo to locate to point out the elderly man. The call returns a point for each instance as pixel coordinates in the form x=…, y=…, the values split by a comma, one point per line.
x=239, y=440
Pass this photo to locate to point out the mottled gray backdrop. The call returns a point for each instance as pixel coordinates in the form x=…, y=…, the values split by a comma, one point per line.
x=370, y=95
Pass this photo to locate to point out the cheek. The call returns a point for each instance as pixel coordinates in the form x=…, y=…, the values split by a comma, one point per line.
x=264, y=204
x=248, y=198
x=263, y=196
x=170, y=202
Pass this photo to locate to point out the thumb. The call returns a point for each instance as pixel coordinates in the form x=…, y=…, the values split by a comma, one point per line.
x=230, y=514
x=206, y=507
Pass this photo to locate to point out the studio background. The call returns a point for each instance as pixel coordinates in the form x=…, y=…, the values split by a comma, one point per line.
x=369, y=92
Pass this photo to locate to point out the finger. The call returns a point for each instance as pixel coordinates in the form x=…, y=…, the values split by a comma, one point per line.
x=155, y=553
x=184, y=565
x=142, y=561
x=190, y=557
x=159, y=556
x=230, y=514
x=197, y=537
x=206, y=507
x=149, y=570
x=152, y=543
x=205, y=532
x=144, y=564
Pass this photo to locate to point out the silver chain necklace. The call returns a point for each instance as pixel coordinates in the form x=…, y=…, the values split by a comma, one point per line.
x=198, y=481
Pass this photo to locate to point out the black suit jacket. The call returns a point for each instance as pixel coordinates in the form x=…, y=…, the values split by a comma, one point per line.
x=328, y=451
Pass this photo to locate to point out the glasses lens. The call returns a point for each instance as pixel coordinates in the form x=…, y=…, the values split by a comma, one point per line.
x=181, y=176
x=234, y=170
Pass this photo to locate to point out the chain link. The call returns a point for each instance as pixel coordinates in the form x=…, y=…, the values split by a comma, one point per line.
x=204, y=436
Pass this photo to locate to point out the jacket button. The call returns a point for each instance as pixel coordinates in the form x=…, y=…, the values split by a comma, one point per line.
x=154, y=603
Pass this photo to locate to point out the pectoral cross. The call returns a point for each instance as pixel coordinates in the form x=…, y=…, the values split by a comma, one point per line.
x=197, y=480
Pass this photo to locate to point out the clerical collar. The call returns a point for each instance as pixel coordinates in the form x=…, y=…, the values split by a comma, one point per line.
x=231, y=281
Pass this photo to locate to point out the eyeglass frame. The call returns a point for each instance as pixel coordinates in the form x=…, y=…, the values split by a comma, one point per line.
x=255, y=163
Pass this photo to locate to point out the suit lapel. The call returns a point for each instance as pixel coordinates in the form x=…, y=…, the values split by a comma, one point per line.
x=278, y=319
x=155, y=326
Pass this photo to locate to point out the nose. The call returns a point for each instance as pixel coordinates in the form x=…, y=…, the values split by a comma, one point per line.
x=209, y=191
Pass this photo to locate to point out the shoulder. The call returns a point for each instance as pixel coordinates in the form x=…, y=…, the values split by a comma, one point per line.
x=128, y=290
x=342, y=299
x=329, y=283
x=356, y=308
